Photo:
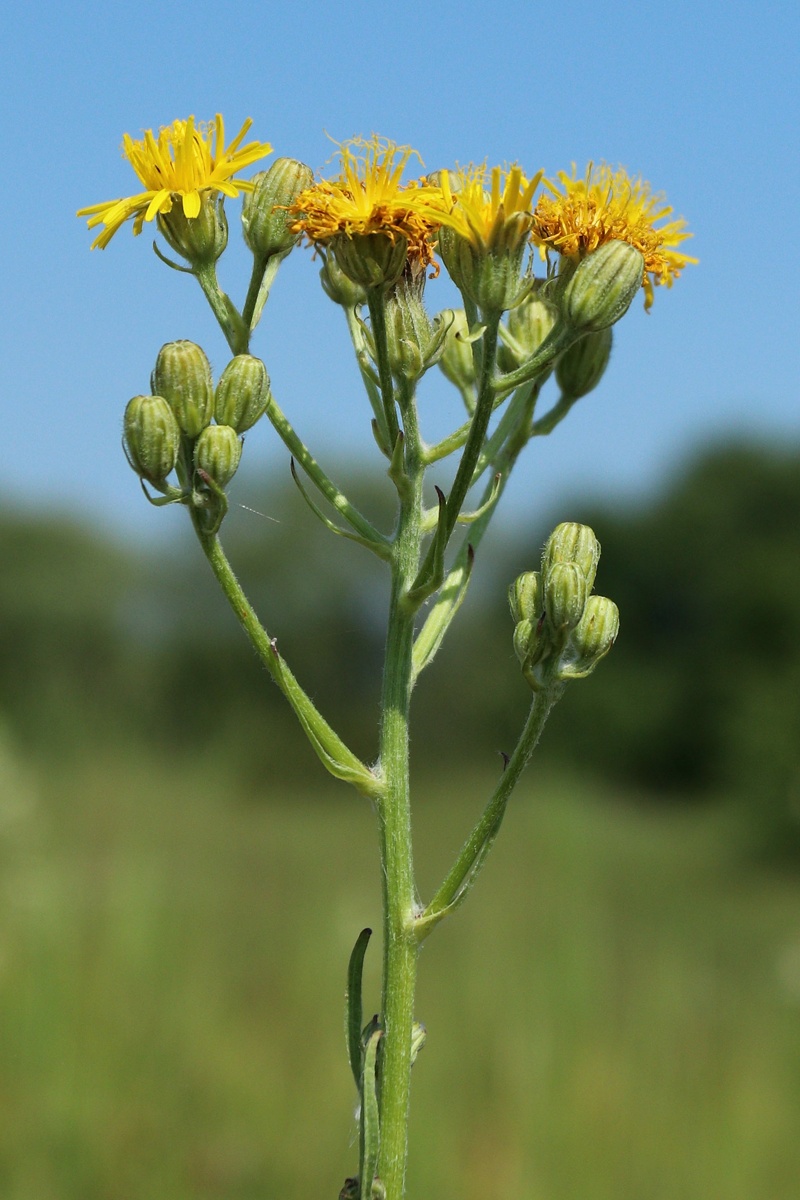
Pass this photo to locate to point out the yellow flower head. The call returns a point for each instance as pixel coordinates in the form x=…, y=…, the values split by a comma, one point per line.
x=491, y=209
x=184, y=161
x=607, y=205
x=368, y=197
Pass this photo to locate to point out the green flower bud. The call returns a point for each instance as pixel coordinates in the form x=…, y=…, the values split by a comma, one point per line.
x=492, y=277
x=182, y=376
x=217, y=452
x=602, y=286
x=372, y=260
x=591, y=639
x=414, y=342
x=565, y=595
x=201, y=239
x=528, y=326
x=242, y=394
x=339, y=287
x=525, y=597
x=526, y=639
x=265, y=217
x=151, y=437
x=573, y=543
x=581, y=367
x=457, y=362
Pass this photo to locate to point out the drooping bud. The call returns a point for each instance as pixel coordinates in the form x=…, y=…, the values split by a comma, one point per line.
x=525, y=597
x=592, y=638
x=151, y=437
x=372, y=260
x=581, y=367
x=242, y=394
x=602, y=286
x=457, y=362
x=571, y=542
x=528, y=326
x=565, y=595
x=201, y=239
x=338, y=286
x=217, y=452
x=182, y=376
x=265, y=219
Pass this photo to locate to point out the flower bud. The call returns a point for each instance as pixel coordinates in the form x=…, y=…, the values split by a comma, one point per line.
x=581, y=367
x=528, y=326
x=592, y=638
x=571, y=542
x=602, y=286
x=339, y=287
x=182, y=376
x=372, y=260
x=492, y=277
x=201, y=239
x=217, y=452
x=414, y=343
x=265, y=217
x=151, y=437
x=525, y=597
x=242, y=394
x=457, y=363
x=526, y=639
x=565, y=595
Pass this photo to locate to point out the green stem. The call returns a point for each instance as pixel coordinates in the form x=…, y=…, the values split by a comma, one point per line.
x=229, y=319
x=394, y=815
x=377, y=316
x=547, y=423
x=338, y=759
x=473, y=854
x=321, y=481
x=356, y=331
x=451, y=595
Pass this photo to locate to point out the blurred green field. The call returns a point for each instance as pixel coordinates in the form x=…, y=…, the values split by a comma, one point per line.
x=614, y=1014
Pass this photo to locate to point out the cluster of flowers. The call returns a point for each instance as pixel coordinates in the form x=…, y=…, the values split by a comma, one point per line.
x=378, y=225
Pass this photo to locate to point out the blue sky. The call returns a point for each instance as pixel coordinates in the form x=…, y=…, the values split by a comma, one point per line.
x=700, y=98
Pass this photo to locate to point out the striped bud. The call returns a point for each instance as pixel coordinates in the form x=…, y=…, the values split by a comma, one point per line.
x=151, y=437
x=565, y=595
x=242, y=394
x=182, y=376
x=571, y=542
x=217, y=452
x=602, y=286
x=592, y=638
x=265, y=216
x=581, y=367
x=525, y=597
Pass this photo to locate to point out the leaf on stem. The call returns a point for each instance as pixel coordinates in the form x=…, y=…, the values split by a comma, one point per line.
x=354, y=1005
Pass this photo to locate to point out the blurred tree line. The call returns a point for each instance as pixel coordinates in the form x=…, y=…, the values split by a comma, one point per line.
x=101, y=645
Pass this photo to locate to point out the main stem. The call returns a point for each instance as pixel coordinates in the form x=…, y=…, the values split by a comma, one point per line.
x=394, y=814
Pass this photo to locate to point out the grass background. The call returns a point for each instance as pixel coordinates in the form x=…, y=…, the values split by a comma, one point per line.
x=614, y=1014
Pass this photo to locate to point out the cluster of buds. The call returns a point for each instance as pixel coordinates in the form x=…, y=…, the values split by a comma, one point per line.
x=190, y=427
x=561, y=630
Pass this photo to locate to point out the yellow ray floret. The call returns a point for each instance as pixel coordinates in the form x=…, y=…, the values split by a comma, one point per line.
x=607, y=205
x=489, y=208
x=184, y=161
x=368, y=196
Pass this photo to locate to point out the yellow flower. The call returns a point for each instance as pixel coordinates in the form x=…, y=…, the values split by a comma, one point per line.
x=607, y=205
x=492, y=210
x=185, y=161
x=368, y=197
